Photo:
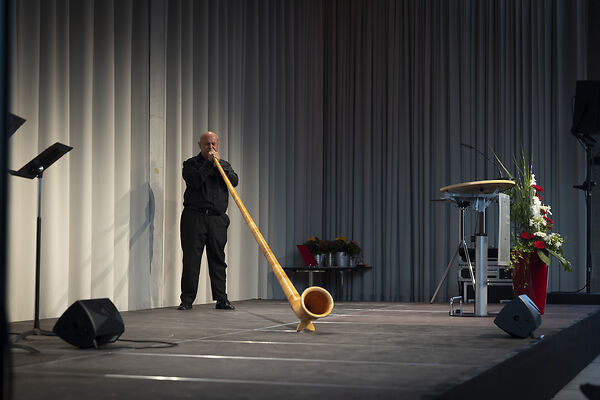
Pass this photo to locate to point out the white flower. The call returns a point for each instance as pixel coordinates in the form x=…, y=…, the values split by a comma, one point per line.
x=540, y=234
x=533, y=179
x=546, y=209
x=537, y=223
x=536, y=205
x=554, y=240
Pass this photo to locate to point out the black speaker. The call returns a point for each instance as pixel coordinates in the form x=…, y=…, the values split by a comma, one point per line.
x=519, y=318
x=586, y=113
x=90, y=323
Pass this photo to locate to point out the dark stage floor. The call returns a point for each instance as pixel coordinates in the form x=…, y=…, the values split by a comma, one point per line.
x=362, y=350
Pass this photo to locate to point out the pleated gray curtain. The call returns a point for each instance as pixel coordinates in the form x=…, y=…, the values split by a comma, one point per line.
x=406, y=84
x=342, y=118
x=357, y=112
x=252, y=72
x=80, y=76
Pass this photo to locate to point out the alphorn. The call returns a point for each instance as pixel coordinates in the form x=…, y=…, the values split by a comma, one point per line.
x=315, y=301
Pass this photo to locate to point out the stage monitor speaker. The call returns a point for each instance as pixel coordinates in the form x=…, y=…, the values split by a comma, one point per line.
x=586, y=112
x=519, y=318
x=90, y=323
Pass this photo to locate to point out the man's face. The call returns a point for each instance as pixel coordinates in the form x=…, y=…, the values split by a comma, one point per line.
x=208, y=141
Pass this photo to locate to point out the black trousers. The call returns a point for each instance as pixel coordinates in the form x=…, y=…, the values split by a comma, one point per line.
x=199, y=230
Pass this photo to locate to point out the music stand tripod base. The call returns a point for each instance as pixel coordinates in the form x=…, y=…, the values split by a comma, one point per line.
x=462, y=205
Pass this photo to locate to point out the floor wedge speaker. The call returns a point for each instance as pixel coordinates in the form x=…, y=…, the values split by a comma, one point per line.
x=519, y=318
x=90, y=323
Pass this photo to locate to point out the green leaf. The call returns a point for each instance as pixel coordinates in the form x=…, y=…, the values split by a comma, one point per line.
x=566, y=264
x=543, y=256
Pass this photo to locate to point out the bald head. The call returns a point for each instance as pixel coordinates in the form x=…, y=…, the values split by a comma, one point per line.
x=209, y=145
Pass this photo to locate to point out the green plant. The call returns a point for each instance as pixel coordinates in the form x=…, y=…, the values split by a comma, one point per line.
x=352, y=248
x=339, y=244
x=315, y=245
x=532, y=226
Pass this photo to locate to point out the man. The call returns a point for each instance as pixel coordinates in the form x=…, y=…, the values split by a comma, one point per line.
x=204, y=222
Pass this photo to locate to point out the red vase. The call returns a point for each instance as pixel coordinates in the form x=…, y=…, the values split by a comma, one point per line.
x=531, y=279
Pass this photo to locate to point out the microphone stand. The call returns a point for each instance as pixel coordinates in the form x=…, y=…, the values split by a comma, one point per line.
x=588, y=297
x=588, y=143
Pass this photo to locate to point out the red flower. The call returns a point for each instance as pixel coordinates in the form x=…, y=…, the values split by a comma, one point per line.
x=539, y=244
x=526, y=235
x=537, y=188
x=549, y=220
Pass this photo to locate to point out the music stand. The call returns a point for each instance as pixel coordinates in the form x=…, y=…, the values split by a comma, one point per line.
x=14, y=122
x=35, y=169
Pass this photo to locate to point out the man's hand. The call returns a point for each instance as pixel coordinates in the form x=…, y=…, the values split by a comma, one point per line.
x=212, y=155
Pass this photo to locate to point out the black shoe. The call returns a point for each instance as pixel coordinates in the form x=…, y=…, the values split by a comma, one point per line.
x=224, y=305
x=183, y=306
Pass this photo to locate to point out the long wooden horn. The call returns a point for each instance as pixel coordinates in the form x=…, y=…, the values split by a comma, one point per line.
x=315, y=301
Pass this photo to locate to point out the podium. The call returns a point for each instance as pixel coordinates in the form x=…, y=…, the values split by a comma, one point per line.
x=35, y=169
x=477, y=195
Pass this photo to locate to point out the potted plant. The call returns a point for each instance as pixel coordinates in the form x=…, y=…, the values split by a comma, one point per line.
x=316, y=247
x=339, y=250
x=327, y=249
x=533, y=238
x=353, y=250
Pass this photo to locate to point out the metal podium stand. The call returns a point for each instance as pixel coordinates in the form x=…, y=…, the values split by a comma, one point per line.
x=478, y=195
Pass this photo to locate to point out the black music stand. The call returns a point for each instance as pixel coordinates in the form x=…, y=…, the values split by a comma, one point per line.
x=35, y=169
x=14, y=122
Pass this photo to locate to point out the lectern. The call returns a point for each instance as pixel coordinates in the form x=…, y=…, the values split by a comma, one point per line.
x=478, y=195
x=35, y=169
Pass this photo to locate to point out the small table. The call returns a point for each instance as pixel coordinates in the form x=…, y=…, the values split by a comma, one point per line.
x=311, y=270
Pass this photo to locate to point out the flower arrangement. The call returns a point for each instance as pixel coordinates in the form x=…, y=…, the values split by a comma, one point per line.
x=339, y=244
x=531, y=219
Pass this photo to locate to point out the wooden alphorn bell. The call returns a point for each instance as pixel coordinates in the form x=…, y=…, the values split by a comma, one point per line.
x=315, y=301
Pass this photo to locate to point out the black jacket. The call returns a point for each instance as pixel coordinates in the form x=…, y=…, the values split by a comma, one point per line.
x=205, y=188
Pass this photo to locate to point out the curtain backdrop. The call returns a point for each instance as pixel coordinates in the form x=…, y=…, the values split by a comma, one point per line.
x=80, y=77
x=340, y=117
x=406, y=84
